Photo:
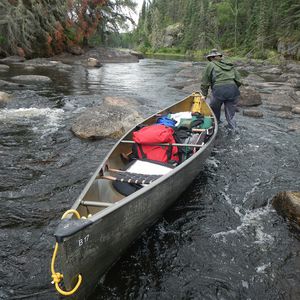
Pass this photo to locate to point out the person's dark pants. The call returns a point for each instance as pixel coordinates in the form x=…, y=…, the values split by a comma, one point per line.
x=229, y=96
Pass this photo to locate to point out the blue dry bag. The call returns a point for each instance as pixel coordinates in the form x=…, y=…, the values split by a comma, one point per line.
x=164, y=120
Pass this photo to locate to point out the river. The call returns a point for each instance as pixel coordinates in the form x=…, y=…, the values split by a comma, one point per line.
x=221, y=240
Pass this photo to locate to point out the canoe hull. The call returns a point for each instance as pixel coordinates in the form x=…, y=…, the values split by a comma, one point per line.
x=94, y=248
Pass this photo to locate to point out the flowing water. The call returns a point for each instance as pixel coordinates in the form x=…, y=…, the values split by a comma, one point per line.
x=221, y=240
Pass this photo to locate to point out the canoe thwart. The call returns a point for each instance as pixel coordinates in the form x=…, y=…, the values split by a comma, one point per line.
x=164, y=144
x=96, y=203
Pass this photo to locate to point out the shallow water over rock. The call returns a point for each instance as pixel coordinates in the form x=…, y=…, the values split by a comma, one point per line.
x=221, y=240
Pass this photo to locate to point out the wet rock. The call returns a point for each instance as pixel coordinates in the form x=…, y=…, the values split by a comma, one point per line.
x=243, y=68
x=4, y=68
x=285, y=115
x=76, y=50
x=4, y=98
x=288, y=205
x=45, y=63
x=32, y=78
x=253, y=78
x=187, y=72
x=181, y=84
x=139, y=55
x=29, y=68
x=283, y=98
x=294, y=126
x=293, y=67
x=272, y=71
x=279, y=108
x=4, y=83
x=112, y=119
x=12, y=59
x=249, y=97
x=192, y=88
x=252, y=113
x=93, y=62
x=295, y=82
x=296, y=110
x=113, y=55
x=287, y=76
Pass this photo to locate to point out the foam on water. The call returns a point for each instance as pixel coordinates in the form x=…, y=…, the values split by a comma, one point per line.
x=250, y=219
x=51, y=118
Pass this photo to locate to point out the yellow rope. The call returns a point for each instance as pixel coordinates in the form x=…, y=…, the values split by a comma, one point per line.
x=71, y=211
x=57, y=277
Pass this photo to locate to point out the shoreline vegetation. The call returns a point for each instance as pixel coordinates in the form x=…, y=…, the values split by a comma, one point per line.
x=185, y=29
x=273, y=57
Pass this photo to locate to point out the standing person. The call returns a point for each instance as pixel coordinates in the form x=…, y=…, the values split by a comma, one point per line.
x=224, y=81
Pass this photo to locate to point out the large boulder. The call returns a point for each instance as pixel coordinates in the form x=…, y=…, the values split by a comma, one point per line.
x=288, y=205
x=111, y=119
x=249, y=97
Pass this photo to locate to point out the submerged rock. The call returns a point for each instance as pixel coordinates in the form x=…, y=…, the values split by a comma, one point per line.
x=288, y=205
x=253, y=113
x=4, y=98
x=32, y=78
x=139, y=55
x=12, y=59
x=295, y=126
x=296, y=110
x=4, y=68
x=282, y=98
x=5, y=83
x=111, y=119
x=93, y=62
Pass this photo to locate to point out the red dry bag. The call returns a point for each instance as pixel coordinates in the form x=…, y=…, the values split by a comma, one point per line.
x=148, y=136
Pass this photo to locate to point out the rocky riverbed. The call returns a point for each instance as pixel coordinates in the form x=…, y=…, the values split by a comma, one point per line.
x=222, y=239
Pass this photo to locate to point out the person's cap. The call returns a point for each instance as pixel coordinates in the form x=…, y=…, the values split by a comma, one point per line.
x=213, y=53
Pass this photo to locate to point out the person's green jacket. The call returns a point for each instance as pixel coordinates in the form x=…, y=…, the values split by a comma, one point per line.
x=219, y=73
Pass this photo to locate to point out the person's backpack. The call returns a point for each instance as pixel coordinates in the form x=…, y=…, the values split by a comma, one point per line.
x=147, y=140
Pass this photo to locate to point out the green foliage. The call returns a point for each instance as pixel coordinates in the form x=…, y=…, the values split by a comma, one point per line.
x=2, y=40
x=170, y=50
x=246, y=27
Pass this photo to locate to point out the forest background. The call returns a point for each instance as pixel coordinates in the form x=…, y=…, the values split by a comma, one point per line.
x=256, y=29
